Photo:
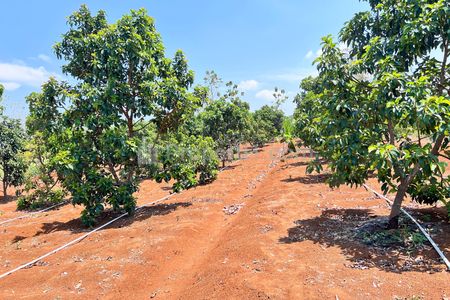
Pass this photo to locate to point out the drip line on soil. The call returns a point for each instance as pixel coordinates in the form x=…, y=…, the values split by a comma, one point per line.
x=33, y=213
x=31, y=263
x=54, y=206
x=424, y=232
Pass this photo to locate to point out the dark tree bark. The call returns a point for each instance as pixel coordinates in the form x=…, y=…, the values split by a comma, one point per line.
x=5, y=187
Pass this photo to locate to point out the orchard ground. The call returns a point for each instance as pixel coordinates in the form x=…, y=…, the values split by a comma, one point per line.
x=291, y=239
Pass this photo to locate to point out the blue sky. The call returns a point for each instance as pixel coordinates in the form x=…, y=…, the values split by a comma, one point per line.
x=257, y=43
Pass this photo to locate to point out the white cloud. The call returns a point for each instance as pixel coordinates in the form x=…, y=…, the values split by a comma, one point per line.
x=313, y=54
x=45, y=58
x=248, y=85
x=309, y=55
x=265, y=95
x=10, y=86
x=18, y=62
x=293, y=75
x=23, y=75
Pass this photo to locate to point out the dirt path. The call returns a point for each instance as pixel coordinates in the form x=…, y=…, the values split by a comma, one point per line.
x=286, y=242
x=266, y=255
x=141, y=256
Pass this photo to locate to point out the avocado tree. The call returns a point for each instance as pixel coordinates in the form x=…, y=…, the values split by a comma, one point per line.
x=12, y=139
x=187, y=160
x=184, y=156
x=258, y=132
x=122, y=82
x=265, y=125
x=42, y=184
x=308, y=117
x=394, y=80
x=273, y=117
x=226, y=121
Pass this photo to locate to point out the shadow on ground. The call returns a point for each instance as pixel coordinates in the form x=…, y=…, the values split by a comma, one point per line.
x=76, y=226
x=308, y=179
x=250, y=151
x=230, y=167
x=302, y=153
x=18, y=238
x=339, y=228
x=7, y=199
x=298, y=164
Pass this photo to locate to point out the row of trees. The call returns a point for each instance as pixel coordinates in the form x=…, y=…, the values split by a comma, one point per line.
x=214, y=131
x=129, y=112
x=12, y=139
x=229, y=122
x=380, y=105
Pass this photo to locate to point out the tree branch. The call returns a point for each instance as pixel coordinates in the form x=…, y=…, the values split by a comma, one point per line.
x=113, y=171
x=444, y=156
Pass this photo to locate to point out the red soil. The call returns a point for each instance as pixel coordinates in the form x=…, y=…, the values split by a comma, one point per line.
x=187, y=248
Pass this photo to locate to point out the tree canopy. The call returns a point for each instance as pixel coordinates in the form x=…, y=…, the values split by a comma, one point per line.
x=382, y=106
x=273, y=117
x=123, y=82
x=12, y=138
x=226, y=120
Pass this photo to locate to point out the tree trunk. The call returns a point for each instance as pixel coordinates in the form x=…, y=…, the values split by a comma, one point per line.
x=397, y=205
x=130, y=134
x=223, y=163
x=113, y=172
x=401, y=190
x=401, y=193
x=5, y=192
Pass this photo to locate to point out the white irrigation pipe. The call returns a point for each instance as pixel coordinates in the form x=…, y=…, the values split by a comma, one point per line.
x=33, y=213
x=435, y=246
x=31, y=263
x=79, y=238
x=54, y=206
x=51, y=207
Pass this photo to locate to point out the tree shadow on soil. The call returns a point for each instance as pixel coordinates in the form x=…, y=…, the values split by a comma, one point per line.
x=305, y=162
x=17, y=239
x=431, y=215
x=298, y=164
x=230, y=167
x=308, y=179
x=341, y=227
x=305, y=154
x=250, y=151
x=7, y=199
x=76, y=226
